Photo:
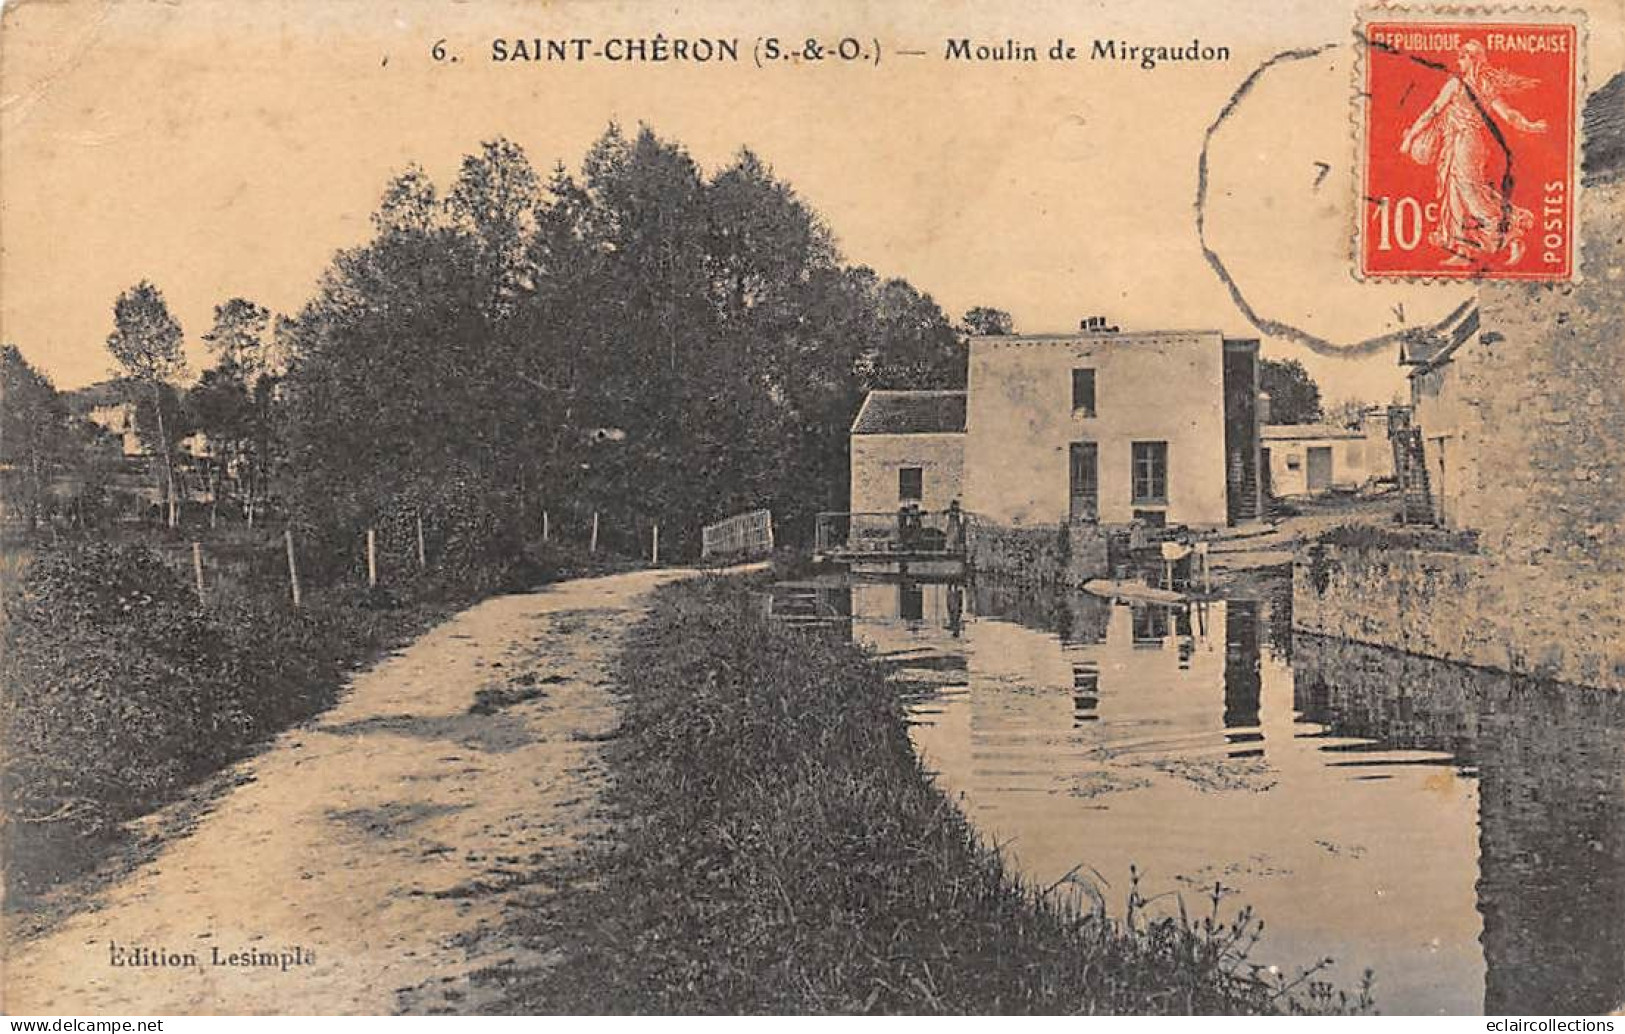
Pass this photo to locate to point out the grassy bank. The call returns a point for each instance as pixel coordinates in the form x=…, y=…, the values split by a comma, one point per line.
x=781, y=850
x=124, y=691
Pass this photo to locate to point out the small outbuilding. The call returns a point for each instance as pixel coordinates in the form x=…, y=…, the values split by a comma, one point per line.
x=1311, y=459
x=908, y=447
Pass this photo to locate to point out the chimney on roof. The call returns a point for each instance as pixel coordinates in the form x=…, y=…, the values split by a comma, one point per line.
x=1097, y=325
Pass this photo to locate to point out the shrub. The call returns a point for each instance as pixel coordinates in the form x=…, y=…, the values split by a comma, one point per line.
x=123, y=691
x=117, y=682
x=1372, y=536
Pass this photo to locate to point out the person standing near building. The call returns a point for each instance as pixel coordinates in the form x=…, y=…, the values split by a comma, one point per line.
x=955, y=528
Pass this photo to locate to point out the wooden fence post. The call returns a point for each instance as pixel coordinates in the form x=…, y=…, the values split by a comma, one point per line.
x=293, y=569
x=592, y=546
x=197, y=568
x=654, y=550
x=423, y=556
x=372, y=559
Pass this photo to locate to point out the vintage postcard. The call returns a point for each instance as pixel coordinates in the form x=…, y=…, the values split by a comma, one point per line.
x=570, y=508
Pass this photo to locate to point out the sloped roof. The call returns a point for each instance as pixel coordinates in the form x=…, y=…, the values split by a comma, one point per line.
x=911, y=412
x=1605, y=131
x=1432, y=349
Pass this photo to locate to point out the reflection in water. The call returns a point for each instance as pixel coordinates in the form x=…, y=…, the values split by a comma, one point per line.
x=1242, y=680
x=1551, y=845
x=1458, y=831
x=1085, y=691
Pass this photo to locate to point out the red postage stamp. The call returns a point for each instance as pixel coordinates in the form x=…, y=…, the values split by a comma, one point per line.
x=1469, y=148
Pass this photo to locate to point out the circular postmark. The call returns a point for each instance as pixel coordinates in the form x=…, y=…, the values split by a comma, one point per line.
x=1275, y=214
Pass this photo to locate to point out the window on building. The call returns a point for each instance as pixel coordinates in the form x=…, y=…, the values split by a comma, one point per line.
x=1150, y=474
x=1085, y=480
x=1150, y=626
x=1083, y=391
x=910, y=484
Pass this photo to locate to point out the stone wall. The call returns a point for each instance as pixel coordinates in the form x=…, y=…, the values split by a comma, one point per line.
x=876, y=459
x=1566, y=624
x=1525, y=426
x=1087, y=551
x=1058, y=555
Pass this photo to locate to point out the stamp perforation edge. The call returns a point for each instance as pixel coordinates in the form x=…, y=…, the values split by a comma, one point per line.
x=1541, y=14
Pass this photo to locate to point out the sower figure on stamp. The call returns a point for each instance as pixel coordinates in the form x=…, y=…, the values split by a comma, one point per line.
x=1477, y=218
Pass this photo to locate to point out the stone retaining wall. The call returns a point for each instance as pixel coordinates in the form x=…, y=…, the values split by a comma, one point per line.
x=1064, y=554
x=1552, y=621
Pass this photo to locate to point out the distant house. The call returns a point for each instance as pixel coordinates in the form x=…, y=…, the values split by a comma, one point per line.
x=197, y=446
x=107, y=405
x=908, y=447
x=118, y=420
x=1310, y=459
x=1376, y=426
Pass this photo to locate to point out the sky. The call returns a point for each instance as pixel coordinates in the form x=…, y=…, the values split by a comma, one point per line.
x=229, y=148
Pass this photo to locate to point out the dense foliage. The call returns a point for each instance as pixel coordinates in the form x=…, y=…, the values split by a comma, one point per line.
x=35, y=440
x=122, y=689
x=640, y=339
x=1294, y=395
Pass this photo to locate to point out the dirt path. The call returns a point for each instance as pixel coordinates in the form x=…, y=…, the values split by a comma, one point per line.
x=383, y=840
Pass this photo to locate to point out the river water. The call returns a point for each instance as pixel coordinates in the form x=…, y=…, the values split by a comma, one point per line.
x=1457, y=831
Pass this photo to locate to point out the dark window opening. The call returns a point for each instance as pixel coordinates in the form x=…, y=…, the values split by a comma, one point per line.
x=1083, y=392
x=910, y=484
x=1150, y=475
x=911, y=601
x=1085, y=481
x=1150, y=625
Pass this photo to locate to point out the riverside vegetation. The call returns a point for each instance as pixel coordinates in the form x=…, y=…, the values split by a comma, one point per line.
x=124, y=690
x=782, y=850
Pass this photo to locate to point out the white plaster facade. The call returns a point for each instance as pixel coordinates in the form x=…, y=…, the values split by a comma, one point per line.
x=1165, y=386
x=1338, y=456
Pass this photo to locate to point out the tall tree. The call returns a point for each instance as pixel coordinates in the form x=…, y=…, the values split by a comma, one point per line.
x=227, y=403
x=146, y=342
x=240, y=337
x=1294, y=395
x=985, y=321
x=638, y=337
x=34, y=433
